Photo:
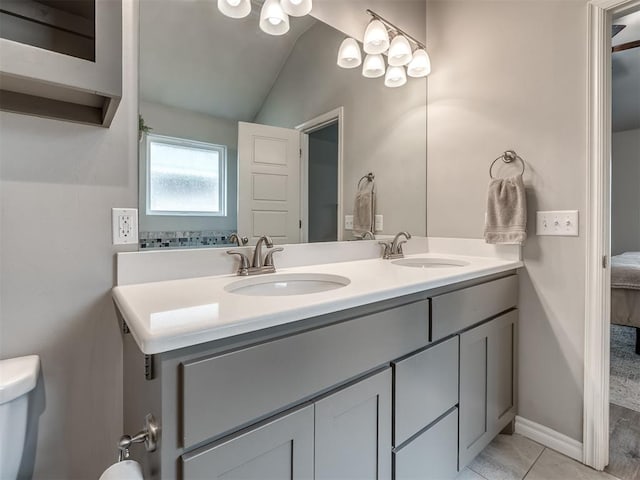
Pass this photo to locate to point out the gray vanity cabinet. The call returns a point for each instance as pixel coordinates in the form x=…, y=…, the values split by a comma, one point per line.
x=408, y=388
x=487, y=383
x=353, y=431
x=280, y=449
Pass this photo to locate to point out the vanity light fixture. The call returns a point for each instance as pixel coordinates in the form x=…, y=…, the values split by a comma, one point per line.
x=403, y=50
x=420, y=65
x=235, y=8
x=373, y=66
x=349, y=55
x=297, y=8
x=273, y=19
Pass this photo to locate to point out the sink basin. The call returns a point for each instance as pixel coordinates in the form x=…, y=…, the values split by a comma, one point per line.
x=430, y=262
x=287, y=284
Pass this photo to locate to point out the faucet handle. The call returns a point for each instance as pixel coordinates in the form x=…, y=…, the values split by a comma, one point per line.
x=399, y=247
x=244, y=261
x=238, y=240
x=386, y=249
x=268, y=259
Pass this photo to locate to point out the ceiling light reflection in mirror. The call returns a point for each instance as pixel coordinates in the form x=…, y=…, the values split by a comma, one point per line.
x=381, y=37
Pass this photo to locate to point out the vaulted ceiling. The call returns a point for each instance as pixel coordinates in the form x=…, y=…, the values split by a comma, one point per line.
x=195, y=58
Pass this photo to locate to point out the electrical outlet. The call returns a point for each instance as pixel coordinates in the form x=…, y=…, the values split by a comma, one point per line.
x=124, y=223
x=379, y=224
x=348, y=222
x=558, y=223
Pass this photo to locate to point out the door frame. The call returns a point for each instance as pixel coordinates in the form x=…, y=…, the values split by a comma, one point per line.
x=321, y=121
x=598, y=220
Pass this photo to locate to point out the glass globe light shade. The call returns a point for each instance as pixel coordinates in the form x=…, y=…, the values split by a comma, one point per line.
x=373, y=66
x=273, y=20
x=420, y=65
x=235, y=8
x=395, y=77
x=349, y=55
x=297, y=8
x=376, y=38
x=399, y=51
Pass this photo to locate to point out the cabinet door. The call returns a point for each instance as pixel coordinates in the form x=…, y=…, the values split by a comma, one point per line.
x=487, y=395
x=353, y=431
x=279, y=450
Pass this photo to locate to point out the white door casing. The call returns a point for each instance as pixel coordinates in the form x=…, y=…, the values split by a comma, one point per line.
x=268, y=183
x=598, y=289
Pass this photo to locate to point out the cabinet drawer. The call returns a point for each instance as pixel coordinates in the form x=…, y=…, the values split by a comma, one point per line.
x=431, y=456
x=222, y=393
x=426, y=386
x=455, y=311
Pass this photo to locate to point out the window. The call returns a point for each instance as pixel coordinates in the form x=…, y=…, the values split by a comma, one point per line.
x=185, y=177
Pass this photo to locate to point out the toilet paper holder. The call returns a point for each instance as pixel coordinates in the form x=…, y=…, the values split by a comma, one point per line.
x=148, y=435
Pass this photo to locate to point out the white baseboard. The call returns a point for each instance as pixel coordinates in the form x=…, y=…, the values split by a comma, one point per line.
x=549, y=438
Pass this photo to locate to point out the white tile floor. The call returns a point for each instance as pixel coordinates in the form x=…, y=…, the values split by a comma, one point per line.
x=514, y=457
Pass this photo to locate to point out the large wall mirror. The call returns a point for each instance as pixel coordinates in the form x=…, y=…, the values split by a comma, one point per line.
x=257, y=134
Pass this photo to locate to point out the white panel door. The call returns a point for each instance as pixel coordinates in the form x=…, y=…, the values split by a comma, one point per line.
x=268, y=182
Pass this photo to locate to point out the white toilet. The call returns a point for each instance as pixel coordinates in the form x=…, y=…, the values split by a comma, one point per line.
x=18, y=376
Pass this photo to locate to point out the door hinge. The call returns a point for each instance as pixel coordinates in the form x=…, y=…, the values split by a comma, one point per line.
x=300, y=153
x=604, y=261
x=148, y=367
x=299, y=223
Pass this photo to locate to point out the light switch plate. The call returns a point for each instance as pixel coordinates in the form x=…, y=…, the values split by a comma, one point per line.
x=563, y=223
x=379, y=224
x=348, y=222
x=124, y=222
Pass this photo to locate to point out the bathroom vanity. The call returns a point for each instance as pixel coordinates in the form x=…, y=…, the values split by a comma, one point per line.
x=411, y=380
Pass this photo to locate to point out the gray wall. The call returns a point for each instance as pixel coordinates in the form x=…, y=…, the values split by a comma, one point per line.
x=513, y=75
x=625, y=192
x=58, y=184
x=176, y=122
x=384, y=128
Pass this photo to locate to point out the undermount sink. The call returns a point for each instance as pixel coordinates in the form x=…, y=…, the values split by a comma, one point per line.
x=430, y=262
x=287, y=284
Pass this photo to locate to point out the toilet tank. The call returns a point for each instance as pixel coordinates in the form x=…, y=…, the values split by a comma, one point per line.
x=18, y=376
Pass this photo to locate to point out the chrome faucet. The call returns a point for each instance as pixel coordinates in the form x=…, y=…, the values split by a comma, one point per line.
x=239, y=241
x=257, y=265
x=366, y=236
x=394, y=249
x=257, y=253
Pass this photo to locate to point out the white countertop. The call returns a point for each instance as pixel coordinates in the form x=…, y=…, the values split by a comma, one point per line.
x=168, y=315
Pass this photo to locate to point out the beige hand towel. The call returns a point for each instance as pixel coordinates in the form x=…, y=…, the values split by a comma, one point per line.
x=506, y=220
x=364, y=209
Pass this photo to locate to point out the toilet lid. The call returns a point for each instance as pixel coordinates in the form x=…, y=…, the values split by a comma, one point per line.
x=18, y=376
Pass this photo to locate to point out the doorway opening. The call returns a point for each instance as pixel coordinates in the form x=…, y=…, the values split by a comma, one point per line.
x=322, y=188
x=321, y=170
x=596, y=431
x=624, y=389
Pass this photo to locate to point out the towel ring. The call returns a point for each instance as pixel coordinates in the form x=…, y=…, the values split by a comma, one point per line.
x=508, y=157
x=369, y=176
